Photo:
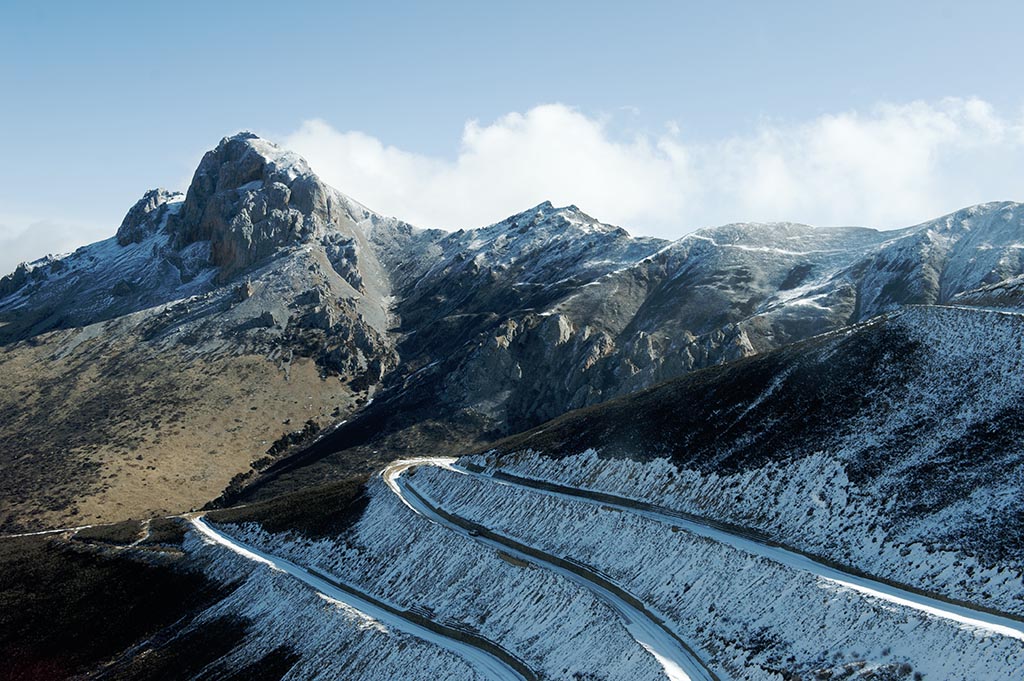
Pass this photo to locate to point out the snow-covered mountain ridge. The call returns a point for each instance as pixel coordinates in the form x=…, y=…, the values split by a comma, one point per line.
x=892, y=447
x=762, y=451
x=462, y=336
x=504, y=353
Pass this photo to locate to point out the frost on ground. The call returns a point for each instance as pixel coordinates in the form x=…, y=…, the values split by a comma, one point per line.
x=332, y=640
x=749, y=616
x=555, y=627
x=920, y=484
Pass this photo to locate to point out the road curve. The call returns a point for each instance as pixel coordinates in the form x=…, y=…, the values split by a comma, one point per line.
x=485, y=657
x=677, y=659
x=759, y=545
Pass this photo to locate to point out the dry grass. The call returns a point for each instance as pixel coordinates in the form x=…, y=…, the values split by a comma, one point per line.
x=100, y=431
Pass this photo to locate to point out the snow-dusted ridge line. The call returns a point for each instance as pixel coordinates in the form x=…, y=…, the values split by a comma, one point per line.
x=490, y=659
x=1009, y=312
x=751, y=541
x=677, y=659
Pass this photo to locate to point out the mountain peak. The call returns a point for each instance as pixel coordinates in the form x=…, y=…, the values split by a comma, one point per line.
x=249, y=197
x=245, y=158
x=246, y=146
x=146, y=216
x=546, y=208
x=547, y=217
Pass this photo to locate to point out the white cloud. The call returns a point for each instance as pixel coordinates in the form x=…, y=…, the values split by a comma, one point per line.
x=896, y=165
x=551, y=152
x=892, y=166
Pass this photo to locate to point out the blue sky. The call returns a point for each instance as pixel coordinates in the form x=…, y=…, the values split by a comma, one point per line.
x=662, y=117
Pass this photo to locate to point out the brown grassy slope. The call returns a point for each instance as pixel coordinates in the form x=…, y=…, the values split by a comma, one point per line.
x=99, y=426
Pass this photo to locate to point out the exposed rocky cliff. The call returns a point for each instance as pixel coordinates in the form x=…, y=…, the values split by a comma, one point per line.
x=146, y=216
x=508, y=327
x=254, y=210
x=149, y=369
x=464, y=336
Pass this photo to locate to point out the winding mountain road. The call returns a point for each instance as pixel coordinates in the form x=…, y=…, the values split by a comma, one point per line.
x=677, y=659
x=486, y=657
x=752, y=542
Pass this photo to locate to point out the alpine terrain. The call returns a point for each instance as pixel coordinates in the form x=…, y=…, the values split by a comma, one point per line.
x=264, y=432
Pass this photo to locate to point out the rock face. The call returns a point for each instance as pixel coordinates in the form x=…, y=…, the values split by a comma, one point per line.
x=15, y=280
x=248, y=198
x=495, y=329
x=550, y=310
x=146, y=216
x=250, y=206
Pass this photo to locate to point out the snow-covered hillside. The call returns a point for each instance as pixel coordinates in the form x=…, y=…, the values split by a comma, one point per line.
x=893, y=447
x=262, y=270
x=503, y=561
x=844, y=507
x=556, y=628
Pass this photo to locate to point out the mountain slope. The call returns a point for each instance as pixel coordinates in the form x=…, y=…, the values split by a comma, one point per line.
x=843, y=507
x=893, y=447
x=718, y=295
x=207, y=333
x=142, y=373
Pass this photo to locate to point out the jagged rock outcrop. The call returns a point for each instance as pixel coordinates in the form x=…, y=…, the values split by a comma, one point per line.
x=146, y=216
x=250, y=203
x=249, y=198
x=15, y=280
x=497, y=328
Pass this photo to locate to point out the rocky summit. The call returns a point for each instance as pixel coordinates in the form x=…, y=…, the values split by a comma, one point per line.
x=265, y=432
x=411, y=338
